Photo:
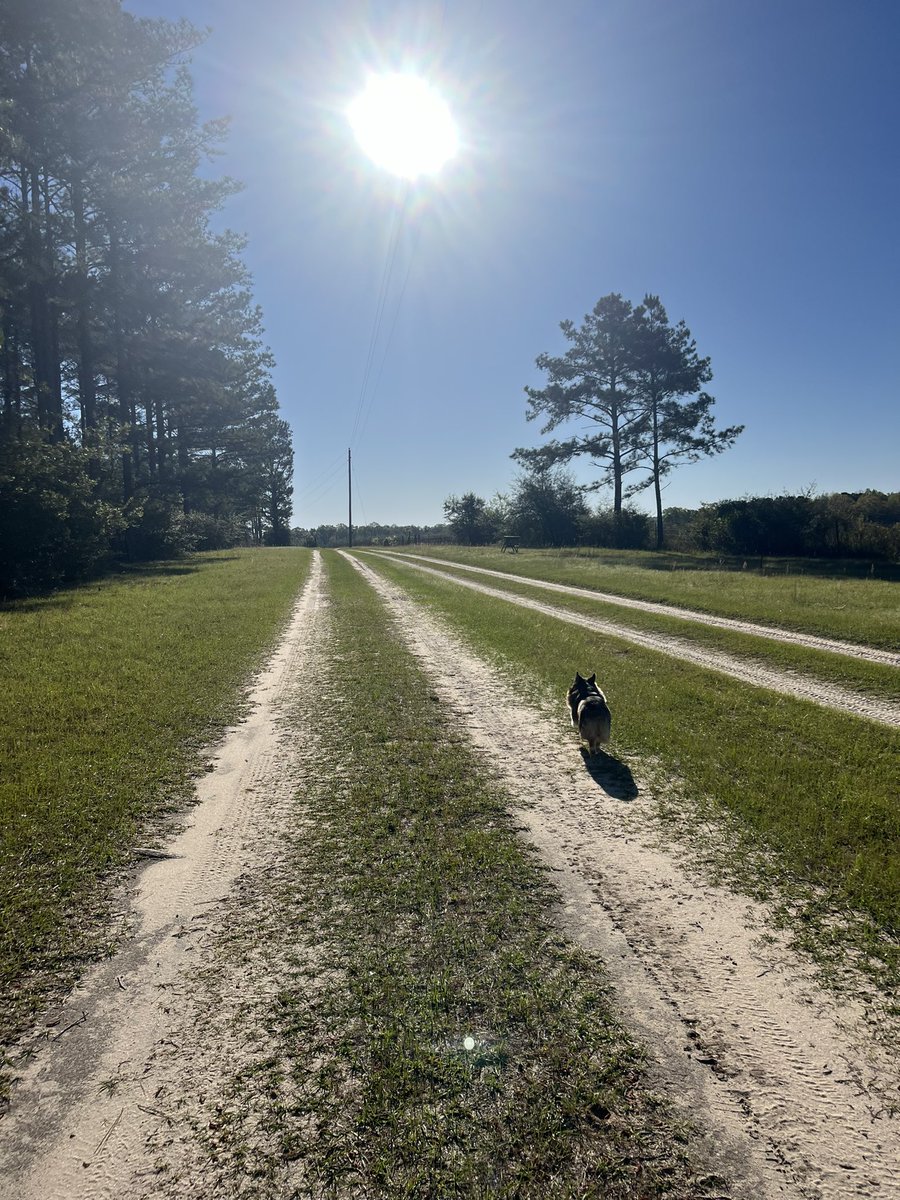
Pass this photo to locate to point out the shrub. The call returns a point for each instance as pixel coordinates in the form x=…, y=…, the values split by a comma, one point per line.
x=56, y=525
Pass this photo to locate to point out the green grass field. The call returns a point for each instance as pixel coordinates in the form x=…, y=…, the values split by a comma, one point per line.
x=843, y=670
x=107, y=692
x=844, y=607
x=405, y=875
x=810, y=794
x=430, y=923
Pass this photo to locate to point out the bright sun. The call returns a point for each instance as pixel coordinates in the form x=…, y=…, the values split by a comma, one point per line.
x=403, y=125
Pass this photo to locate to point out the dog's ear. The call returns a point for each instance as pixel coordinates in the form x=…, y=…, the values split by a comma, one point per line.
x=578, y=679
x=593, y=678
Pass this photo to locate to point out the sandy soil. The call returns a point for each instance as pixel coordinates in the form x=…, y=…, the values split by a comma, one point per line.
x=813, y=642
x=802, y=687
x=794, y=1093
x=795, y=1086
x=87, y=1100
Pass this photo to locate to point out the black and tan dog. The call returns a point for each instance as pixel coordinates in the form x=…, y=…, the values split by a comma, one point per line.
x=590, y=712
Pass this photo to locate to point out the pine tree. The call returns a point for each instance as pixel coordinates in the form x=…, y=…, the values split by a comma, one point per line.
x=593, y=382
x=628, y=378
x=128, y=334
x=667, y=371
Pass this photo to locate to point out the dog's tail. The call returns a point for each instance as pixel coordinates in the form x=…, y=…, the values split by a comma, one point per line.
x=594, y=721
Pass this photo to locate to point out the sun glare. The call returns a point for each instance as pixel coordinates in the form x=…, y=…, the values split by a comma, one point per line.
x=403, y=125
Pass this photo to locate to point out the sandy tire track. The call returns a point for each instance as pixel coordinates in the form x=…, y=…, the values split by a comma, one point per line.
x=812, y=641
x=84, y=1106
x=763, y=1057
x=884, y=712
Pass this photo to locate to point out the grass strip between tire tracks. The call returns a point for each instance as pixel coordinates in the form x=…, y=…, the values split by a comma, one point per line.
x=809, y=601
x=107, y=693
x=809, y=796
x=429, y=924
x=873, y=679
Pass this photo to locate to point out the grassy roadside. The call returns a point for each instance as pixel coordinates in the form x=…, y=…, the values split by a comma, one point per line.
x=874, y=679
x=106, y=694
x=808, y=796
x=854, y=610
x=431, y=1034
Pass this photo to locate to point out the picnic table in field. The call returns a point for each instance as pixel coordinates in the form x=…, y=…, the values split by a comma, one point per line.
x=509, y=543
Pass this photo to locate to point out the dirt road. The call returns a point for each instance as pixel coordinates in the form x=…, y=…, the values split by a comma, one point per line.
x=794, y=1090
x=87, y=1100
x=811, y=641
x=788, y=683
x=737, y=1025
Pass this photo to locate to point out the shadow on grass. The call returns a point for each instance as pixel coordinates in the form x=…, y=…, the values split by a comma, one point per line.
x=610, y=774
x=67, y=593
x=176, y=566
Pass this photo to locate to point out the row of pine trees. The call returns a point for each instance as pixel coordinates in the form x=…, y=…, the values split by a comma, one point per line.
x=137, y=412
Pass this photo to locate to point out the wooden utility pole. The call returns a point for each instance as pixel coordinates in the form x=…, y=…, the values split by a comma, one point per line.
x=349, y=502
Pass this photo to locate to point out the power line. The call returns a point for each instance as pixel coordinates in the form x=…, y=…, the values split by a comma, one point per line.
x=314, y=482
x=381, y=304
x=389, y=339
x=325, y=487
x=386, y=271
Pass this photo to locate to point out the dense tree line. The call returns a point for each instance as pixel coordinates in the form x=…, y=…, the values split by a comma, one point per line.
x=634, y=384
x=137, y=413
x=547, y=508
x=371, y=534
x=840, y=525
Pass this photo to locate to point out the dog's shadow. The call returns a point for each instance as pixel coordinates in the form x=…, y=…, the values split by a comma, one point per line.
x=611, y=774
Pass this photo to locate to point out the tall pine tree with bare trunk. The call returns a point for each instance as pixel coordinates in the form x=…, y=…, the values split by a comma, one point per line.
x=135, y=392
x=668, y=380
x=633, y=385
x=592, y=383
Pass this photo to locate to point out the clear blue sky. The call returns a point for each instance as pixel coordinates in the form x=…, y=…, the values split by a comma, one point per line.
x=740, y=158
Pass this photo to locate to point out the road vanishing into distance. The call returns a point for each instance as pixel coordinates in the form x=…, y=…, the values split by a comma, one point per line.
x=134, y=1089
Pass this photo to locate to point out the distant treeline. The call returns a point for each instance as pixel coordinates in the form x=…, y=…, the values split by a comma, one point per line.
x=548, y=509
x=137, y=413
x=840, y=525
x=373, y=534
